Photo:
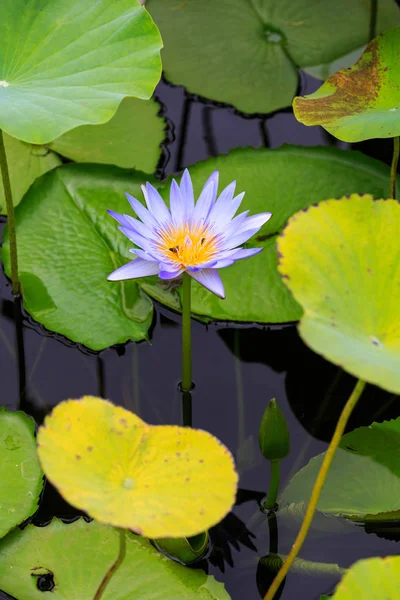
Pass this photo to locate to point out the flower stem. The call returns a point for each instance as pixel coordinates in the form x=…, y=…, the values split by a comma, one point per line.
x=372, y=19
x=393, y=170
x=273, y=485
x=114, y=566
x=186, y=384
x=316, y=492
x=10, y=216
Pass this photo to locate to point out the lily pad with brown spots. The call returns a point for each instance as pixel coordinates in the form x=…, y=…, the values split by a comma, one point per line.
x=360, y=102
x=159, y=481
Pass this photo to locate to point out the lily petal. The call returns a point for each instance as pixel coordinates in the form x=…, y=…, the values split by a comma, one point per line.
x=142, y=212
x=146, y=255
x=211, y=280
x=167, y=272
x=137, y=239
x=246, y=253
x=177, y=203
x=156, y=204
x=134, y=269
x=205, y=201
x=187, y=190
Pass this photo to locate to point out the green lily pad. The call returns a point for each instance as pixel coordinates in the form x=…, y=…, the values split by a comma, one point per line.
x=351, y=317
x=371, y=579
x=67, y=244
x=280, y=181
x=25, y=164
x=363, y=483
x=77, y=556
x=361, y=102
x=65, y=63
x=21, y=475
x=247, y=53
x=131, y=139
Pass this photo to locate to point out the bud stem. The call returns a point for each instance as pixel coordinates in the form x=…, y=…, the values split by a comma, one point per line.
x=317, y=489
x=273, y=490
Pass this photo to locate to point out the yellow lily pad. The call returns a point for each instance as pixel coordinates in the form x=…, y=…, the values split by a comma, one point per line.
x=341, y=261
x=159, y=481
x=371, y=579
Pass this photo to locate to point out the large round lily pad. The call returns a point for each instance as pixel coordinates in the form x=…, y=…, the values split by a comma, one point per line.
x=67, y=245
x=25, y=164
x=76, y=557
x=371, y=579
x=21, y=475
x=64, y=63
x=363, y=483
x=247, y=53
x=363, y=101
x=160, y=481
x=341, y=261
x=131, y=139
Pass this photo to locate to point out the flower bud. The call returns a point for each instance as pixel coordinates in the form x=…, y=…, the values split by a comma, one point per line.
x=273, y=435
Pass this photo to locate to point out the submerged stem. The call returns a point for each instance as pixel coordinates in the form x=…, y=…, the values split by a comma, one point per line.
x=316, y=492
x=273, y=485
x=393, y=170
x=5, y=175
x=117, y=563
x=186, y=384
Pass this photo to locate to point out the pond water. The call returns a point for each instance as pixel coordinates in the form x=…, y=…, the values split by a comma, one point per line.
x=236, y=370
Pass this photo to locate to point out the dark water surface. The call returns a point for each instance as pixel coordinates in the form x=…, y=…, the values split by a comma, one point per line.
x=237, y=370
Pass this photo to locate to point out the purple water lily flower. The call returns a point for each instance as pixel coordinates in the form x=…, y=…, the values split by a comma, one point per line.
x=197, y=238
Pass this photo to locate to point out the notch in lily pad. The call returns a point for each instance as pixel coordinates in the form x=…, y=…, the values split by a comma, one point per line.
x=159, y=481
x=363, y=101
x=341, y=259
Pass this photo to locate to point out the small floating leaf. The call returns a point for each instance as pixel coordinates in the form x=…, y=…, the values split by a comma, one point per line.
x=20, y=472
x=75, y=557
x=131, y=139
x=361, y=102
x=67, y=63
x=160, y=481
x=247, y=53
x=371, y=579
x=341, y=260
x=363, y=482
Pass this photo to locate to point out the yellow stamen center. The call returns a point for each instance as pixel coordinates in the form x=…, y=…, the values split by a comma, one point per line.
x=188, y=246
